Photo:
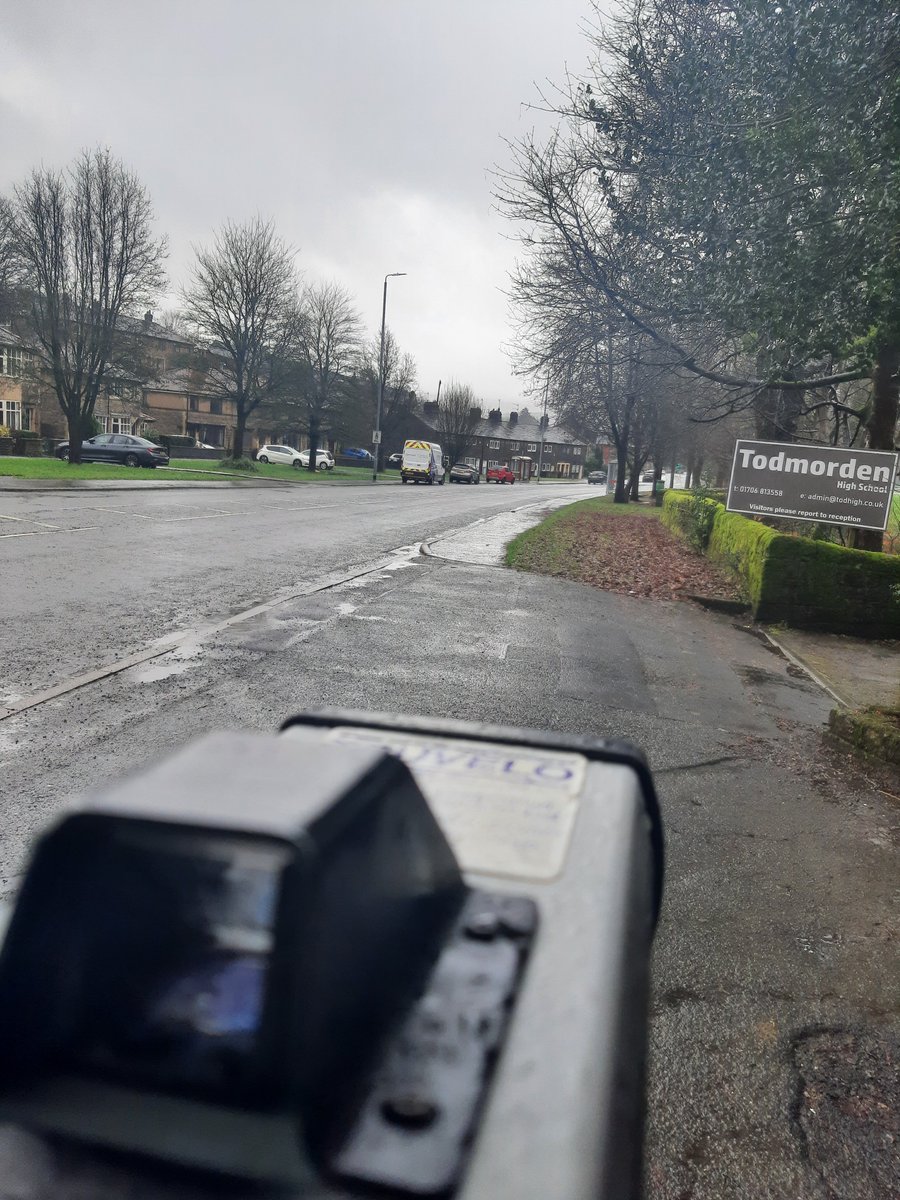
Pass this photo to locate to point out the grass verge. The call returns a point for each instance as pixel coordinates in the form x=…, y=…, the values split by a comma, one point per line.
x=190, y=470
x=548, y=546
x=53, y=468
x=287, y=474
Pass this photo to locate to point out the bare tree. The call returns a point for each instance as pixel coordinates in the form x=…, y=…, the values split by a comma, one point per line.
x=399, y=389
x=243, y=297
x=8, y=264
x=459, y=413
x=86, y=256
x=329, y=343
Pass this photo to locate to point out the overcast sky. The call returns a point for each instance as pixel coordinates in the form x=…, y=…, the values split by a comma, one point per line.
x=367, y=129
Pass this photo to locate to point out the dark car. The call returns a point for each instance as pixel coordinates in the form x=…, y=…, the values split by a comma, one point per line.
x=122, y=448
x=597, y=477
x=355, y=452
x=463, y=473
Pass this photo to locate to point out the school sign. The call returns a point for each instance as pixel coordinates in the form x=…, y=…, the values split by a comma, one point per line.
x=812, y=483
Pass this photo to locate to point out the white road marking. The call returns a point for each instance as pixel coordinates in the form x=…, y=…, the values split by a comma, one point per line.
x=47, y=532
x=28, y=521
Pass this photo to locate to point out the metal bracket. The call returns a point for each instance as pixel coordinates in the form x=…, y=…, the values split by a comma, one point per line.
x=415, y=1126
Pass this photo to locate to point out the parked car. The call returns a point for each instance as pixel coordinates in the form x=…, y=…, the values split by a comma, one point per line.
x=364, y=456
x=597, y=477
x=324, y=460
x=463, y=473
x=394, y=462
x=122, y=448
x=284, y=456
x=499, y=475
x=648, y=477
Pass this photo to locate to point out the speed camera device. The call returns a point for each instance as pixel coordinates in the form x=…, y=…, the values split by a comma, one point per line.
x=366, y=955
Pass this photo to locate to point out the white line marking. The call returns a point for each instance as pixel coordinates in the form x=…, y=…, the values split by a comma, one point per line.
x=28, y=521
x=47, y=532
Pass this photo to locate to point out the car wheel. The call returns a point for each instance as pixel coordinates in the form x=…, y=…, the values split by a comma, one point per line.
x=64, y=457
x=323, y=466
x=402, y=480
x=262, y=458
x=132, y=460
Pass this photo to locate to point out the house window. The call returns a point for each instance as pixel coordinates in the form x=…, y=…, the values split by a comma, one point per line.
x=119, y=423
x=215, y=406
x=12, y=361
x=576, y=452
x=193, y=404
x=114, y=389
x=471, y=462
x=11, y=414
x=493, y=445
x=532, y=447
x=513, y=445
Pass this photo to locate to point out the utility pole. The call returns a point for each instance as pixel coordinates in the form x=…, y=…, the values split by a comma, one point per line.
x=376, y=436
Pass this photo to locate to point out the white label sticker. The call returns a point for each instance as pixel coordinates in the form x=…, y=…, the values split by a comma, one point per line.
x=506, y=810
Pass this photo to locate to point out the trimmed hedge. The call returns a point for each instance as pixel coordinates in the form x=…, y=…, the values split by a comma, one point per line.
x=805, y=583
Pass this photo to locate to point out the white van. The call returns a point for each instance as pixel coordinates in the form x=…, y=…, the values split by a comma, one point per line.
x=423, y=462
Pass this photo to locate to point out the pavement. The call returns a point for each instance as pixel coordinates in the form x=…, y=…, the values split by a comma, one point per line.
x=775, y=1026
x=855, y=672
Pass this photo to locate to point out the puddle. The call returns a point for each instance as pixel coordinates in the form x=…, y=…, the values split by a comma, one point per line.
x=175, y=662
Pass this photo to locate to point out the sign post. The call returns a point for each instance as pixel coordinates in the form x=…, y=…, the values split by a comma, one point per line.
x=826, y=484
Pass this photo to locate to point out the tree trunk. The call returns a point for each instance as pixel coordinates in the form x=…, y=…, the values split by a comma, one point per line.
x=880, y=425
x=314, y=427
x=776, y=412
x=621, y=495
x=237, y=448
x=76, y=436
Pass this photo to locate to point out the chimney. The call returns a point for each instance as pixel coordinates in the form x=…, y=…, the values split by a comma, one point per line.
x=430, y=409
x=513, y=418
x=148, y=319
x=495, y=416
x=475, y=412
x=545, y=421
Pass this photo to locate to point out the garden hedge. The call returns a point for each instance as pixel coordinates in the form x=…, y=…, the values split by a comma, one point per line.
x=805, y=583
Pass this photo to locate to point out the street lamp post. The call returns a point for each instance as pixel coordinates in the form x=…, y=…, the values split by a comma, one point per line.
x=377, y=437
x=543, y=430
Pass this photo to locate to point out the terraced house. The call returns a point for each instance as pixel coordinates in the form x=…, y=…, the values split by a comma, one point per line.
x=526, y=444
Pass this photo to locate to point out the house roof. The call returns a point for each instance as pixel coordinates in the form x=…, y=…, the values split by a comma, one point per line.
x=138, y=325
x=526, y=428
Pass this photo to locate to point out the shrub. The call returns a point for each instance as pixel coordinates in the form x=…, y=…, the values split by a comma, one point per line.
x=806, y=583
x=690, y=514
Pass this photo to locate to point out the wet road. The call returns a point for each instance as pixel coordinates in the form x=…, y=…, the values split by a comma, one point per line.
x=92, y=576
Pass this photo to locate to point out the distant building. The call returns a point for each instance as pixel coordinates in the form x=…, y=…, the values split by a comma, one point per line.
x=514, y=441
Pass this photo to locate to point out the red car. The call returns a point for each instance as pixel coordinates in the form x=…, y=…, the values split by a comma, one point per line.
x=500, y=475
